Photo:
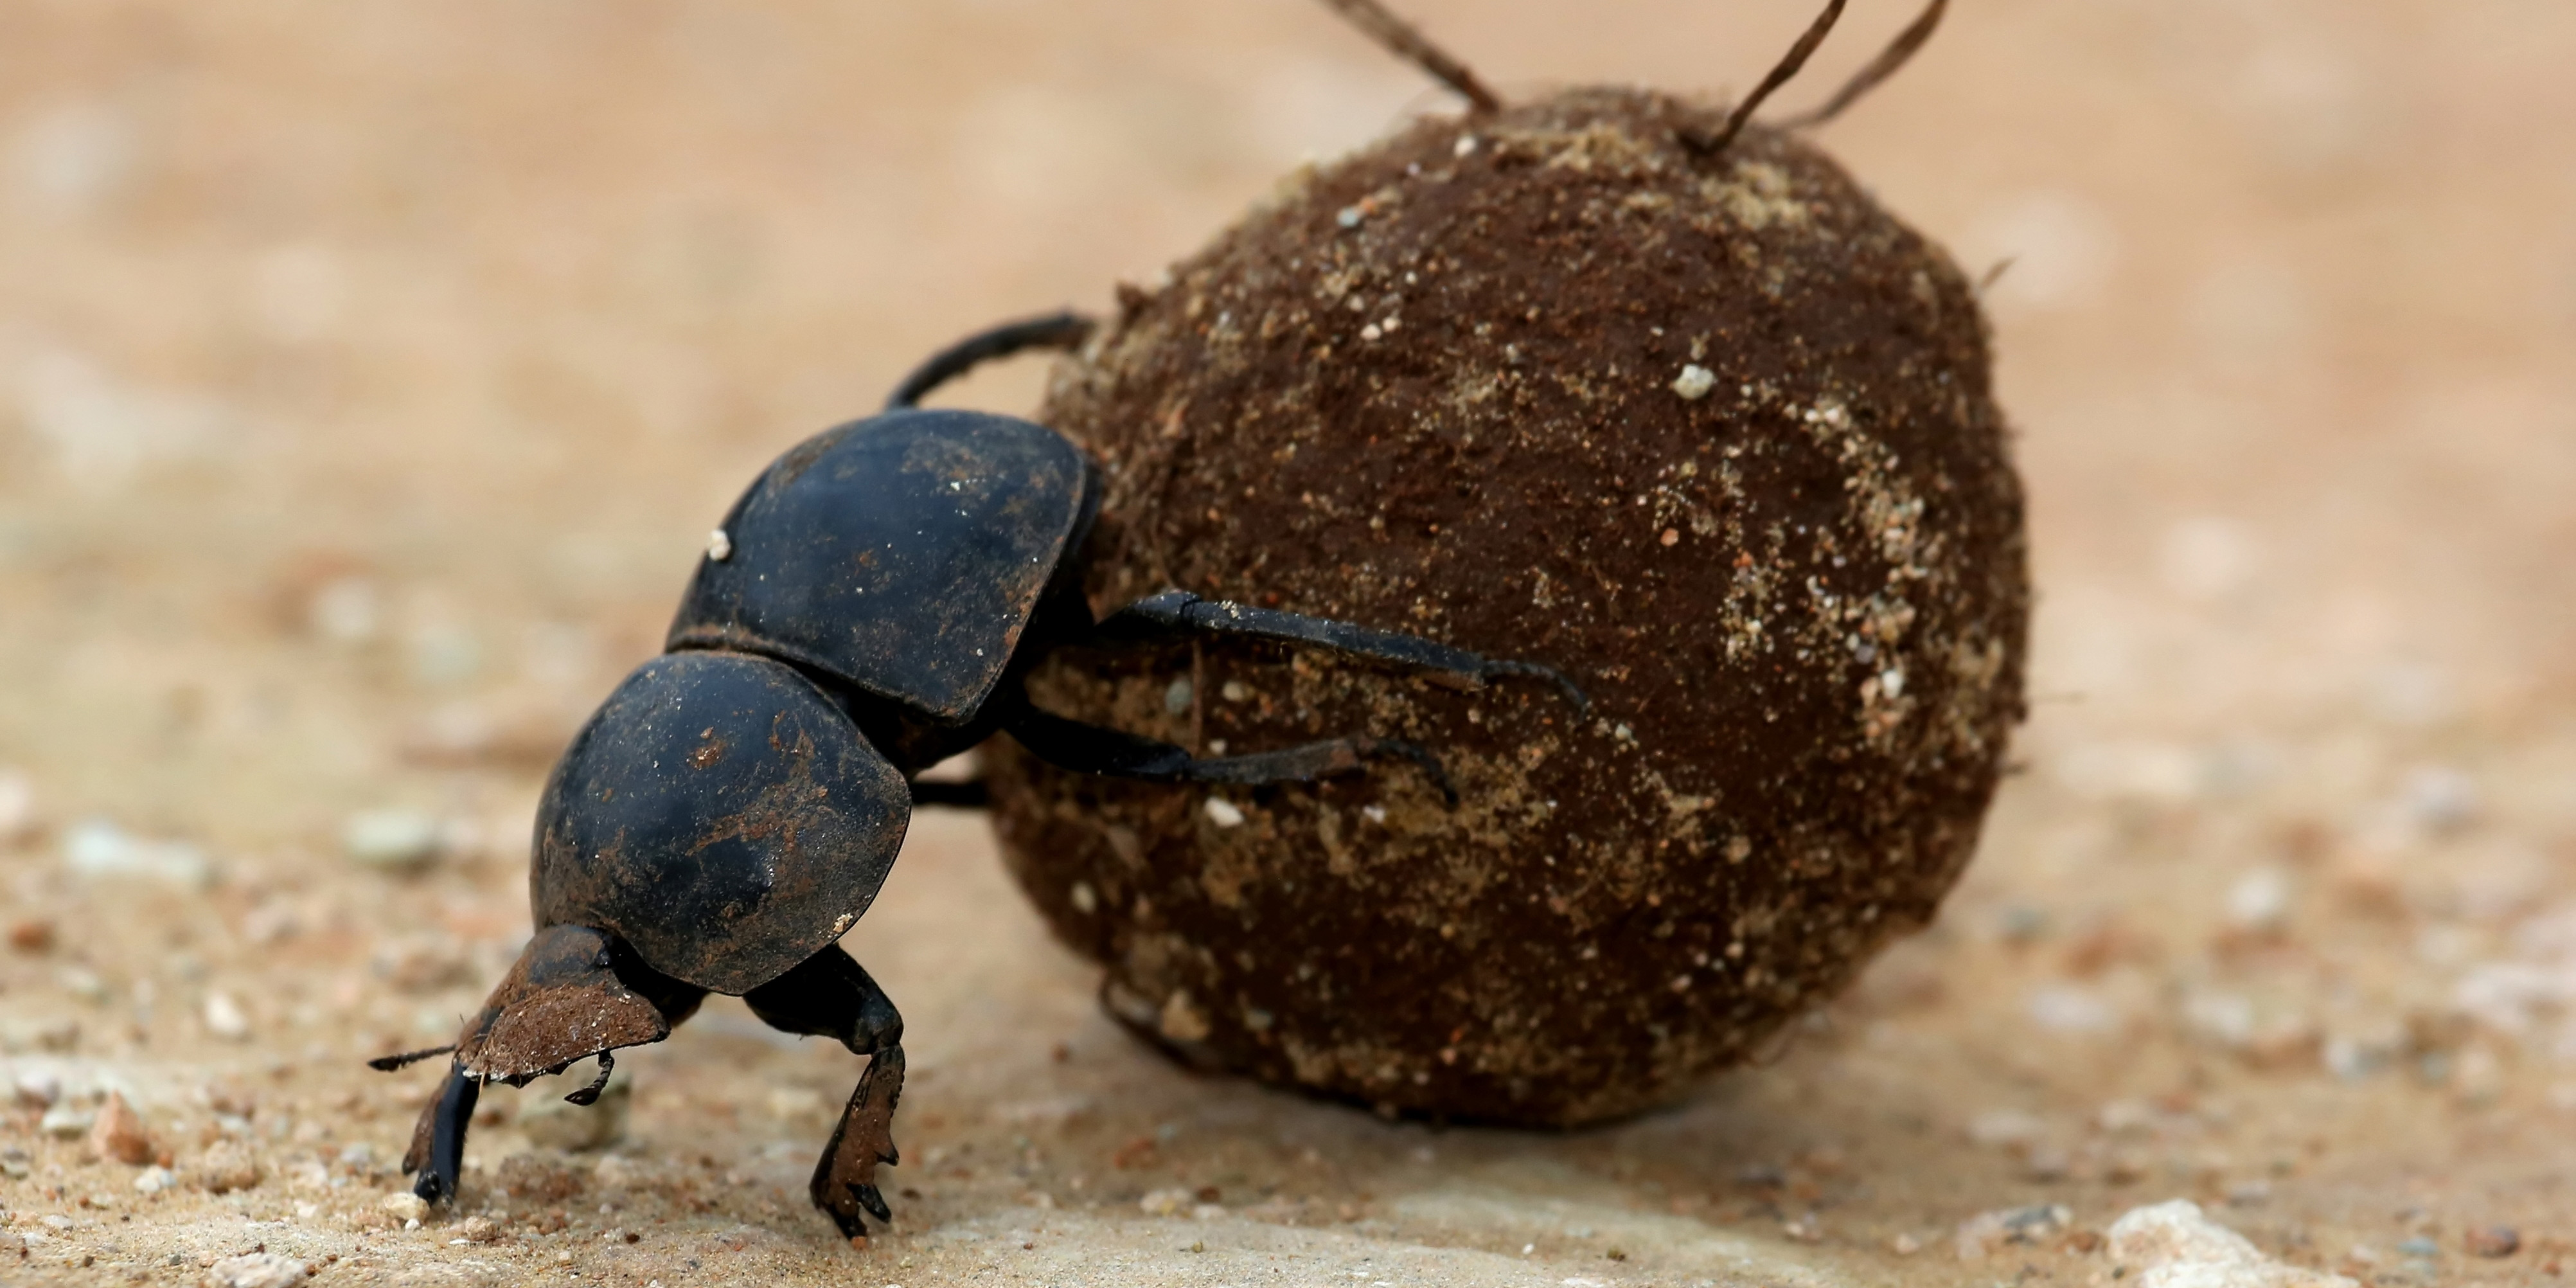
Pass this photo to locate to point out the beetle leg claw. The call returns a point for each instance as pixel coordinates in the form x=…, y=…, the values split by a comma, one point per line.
x=590, y=1094
x=845, y=1177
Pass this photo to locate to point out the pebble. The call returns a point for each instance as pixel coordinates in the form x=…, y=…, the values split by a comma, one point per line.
x=2438, y=800
x=552, y=1122
x=390, y=840
x=38, y=1088
x=1694, y=382
x=153, y=1180
x=2494, y=1241
x=227, y=1167
x=33, y=936
x=1981, y=1234
x=1224, y=813
x=64, y=1122
x=119, y=1134
x=97, y=848
x=2005, y=1129
x=2259, y=902
x=82, y=983
x=403, y=1205
x=224, y=1017
x=257, y=1270
x=2420, y=1246
x=2175, y=1245
x=2064, y=1008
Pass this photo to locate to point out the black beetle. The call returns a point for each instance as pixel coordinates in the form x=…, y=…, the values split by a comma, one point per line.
x=866, y=611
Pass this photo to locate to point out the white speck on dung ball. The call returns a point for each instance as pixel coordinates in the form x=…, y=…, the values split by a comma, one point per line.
x=719, y=546
x=1223, y=813
x=1694, y=382
x=1466, y=146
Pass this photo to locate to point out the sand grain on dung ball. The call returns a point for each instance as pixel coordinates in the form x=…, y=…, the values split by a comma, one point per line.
x=1712, y=434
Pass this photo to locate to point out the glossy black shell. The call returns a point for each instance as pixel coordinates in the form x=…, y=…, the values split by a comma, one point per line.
x=721, y=815
x=902, y=555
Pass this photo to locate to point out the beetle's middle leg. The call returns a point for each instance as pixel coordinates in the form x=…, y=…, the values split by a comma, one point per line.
x=829, y=995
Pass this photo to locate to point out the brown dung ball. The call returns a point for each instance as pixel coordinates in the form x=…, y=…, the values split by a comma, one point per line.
x=1710, y=433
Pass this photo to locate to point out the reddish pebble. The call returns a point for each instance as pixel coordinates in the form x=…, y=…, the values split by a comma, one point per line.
x=32, y=936
x=2495, y=1241
x=118, y=1133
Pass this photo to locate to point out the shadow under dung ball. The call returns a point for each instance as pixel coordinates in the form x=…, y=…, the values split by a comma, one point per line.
x=1709, y=431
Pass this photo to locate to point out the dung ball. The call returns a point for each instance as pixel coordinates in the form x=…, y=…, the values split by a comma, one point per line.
x=1713, y=434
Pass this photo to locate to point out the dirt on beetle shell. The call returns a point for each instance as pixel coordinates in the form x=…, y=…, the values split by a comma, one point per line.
x=1713, y=435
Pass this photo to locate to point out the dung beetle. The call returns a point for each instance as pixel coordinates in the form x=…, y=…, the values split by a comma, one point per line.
x=867, y=610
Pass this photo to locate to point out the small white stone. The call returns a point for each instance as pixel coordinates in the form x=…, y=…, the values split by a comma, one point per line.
x=2064, y=1008
x=1348, y=217
x=1085, y=901
x=403, y=1205
x=153, y=1180
x=1694, y=382
x=2006, y=1129
x=2174, y=1245
x=1223, y=813
x=719, y=546
x=1466, y=146
x=224, y=1017
x=98, y=848
x=2259, y=902
x=346, y=611
x=38, y=1088
x=64, y=1122
x=257, y=1270
x=392, y=840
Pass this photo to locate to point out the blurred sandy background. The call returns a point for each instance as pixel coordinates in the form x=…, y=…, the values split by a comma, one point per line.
x=370, y=374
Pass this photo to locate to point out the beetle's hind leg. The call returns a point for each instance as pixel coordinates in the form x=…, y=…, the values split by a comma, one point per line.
x=829, y=995
x=1178, y=613
x=1094, y=749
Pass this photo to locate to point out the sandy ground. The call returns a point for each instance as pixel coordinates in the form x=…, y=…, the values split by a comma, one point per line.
x=370, y=373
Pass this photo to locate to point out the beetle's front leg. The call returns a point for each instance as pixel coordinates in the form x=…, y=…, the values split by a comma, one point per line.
x=437, y=1153
x=829, y=995
x=845, y=1178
